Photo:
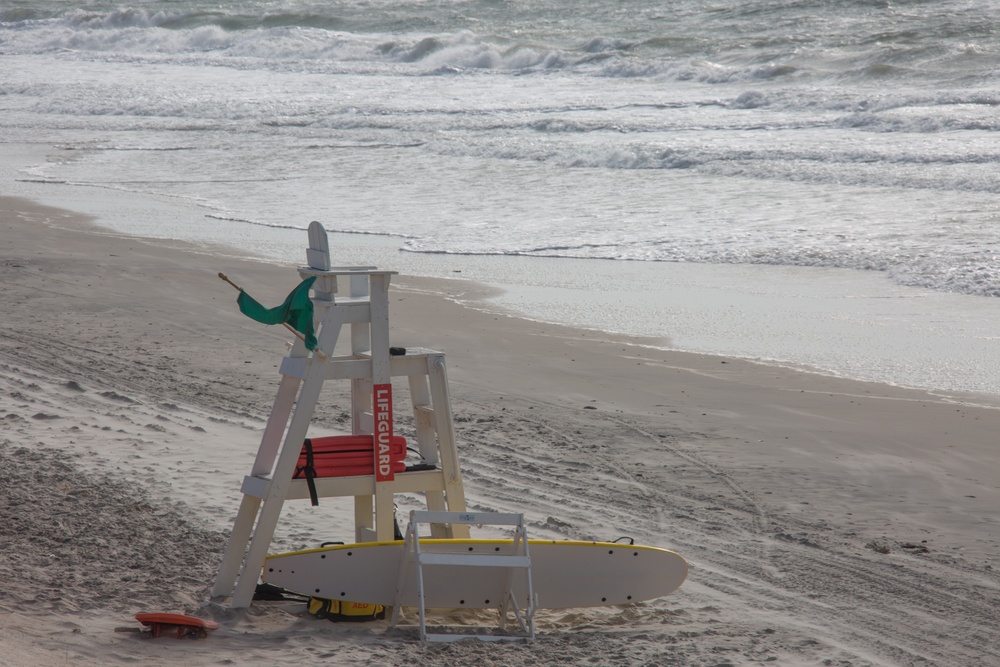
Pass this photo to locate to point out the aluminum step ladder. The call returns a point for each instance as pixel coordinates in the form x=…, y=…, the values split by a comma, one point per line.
x=517, y=562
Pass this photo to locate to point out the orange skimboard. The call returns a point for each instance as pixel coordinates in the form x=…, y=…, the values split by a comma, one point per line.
x=178, y=624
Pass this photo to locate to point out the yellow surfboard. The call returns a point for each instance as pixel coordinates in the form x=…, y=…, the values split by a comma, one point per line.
x=564, y=574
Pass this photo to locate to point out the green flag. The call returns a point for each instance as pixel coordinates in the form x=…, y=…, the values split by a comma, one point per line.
x=296, y=311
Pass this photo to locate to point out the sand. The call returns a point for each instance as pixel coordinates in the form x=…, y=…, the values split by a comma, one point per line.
x=825, y=521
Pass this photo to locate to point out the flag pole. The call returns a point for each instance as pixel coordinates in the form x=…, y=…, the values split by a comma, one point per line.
x=319, y=353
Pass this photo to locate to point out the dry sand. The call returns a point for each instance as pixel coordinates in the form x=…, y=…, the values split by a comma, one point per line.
x=826, y=522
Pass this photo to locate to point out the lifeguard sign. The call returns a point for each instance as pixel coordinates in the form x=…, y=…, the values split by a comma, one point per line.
x=382, y=400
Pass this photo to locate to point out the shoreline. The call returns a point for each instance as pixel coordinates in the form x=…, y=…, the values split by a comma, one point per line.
x=841, y=322
x=781, y=488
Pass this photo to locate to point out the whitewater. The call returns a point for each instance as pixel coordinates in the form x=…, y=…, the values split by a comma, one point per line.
x=800, y=182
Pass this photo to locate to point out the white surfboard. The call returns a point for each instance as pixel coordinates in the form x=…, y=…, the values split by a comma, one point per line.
x=564, y=574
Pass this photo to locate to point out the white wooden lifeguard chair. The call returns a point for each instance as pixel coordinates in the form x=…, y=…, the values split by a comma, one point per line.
x=369, y=368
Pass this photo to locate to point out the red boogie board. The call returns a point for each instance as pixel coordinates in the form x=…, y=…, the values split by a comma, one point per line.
x=180, y=624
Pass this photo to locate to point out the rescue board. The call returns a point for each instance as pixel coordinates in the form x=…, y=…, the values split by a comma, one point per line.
x=180, y=624
x=564, y=574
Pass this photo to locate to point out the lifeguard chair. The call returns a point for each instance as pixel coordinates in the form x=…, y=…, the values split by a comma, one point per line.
x=369, y=368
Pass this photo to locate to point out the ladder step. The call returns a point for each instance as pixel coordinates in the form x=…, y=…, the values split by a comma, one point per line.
x=484, y=518
x=445, y=637
x=474, y=560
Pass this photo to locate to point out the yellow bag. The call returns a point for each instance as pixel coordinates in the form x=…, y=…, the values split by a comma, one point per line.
x=342, y=610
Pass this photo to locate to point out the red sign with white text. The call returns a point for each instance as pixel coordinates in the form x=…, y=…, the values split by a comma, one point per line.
x=382, y=411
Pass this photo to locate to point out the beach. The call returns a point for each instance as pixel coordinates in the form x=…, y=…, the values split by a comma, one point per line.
x=824, y=520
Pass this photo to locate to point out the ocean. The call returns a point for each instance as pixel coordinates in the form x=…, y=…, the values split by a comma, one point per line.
x=803, y=182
